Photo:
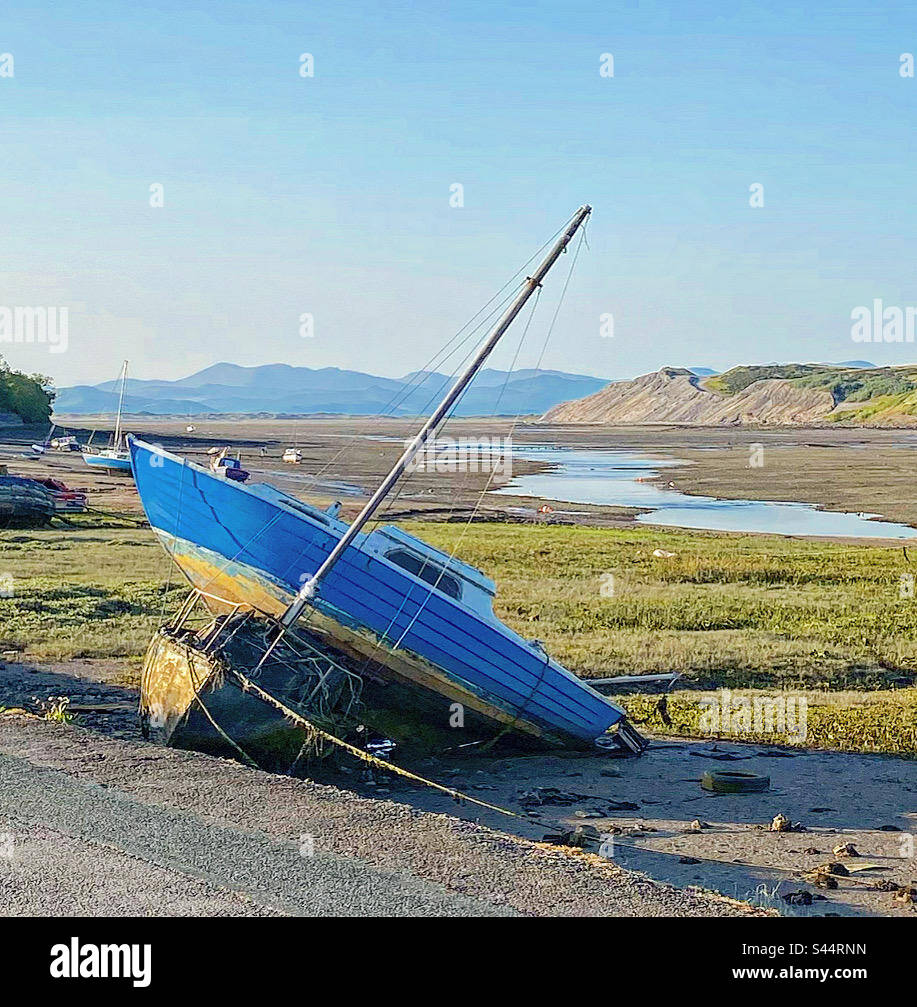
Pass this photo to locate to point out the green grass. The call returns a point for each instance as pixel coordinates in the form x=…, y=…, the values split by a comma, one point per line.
x=865, y=722
x=724, y=610
x=83, y=593
x=883, y=390
x=738, y=378
x=743, y=612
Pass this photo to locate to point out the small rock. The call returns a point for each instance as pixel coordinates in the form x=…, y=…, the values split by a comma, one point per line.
x=884, y=885
x=782, y=824
x=698, y=826
x=800, y=898
x=845, y=850
x=832, y=867
x=821, y=880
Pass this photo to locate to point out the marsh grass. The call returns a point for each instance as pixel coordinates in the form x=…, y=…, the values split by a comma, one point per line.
x=884, y=722
x=726, y=610
x=84, y=593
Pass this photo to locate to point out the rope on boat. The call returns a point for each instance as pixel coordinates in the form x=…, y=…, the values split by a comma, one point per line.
x=244, y=755
x=249, y=686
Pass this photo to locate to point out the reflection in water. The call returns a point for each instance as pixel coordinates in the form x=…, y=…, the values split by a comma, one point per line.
x=611, y=477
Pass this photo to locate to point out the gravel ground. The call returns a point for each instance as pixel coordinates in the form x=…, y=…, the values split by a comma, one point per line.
x=45, y=873
x=231, y=865
x=839, y=798
x=80, y=805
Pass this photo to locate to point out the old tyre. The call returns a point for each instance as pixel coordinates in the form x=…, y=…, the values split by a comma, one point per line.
x=735, y=783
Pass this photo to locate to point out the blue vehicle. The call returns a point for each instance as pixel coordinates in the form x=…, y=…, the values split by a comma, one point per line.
x=422, y=618
x=116, y=457
x=109, y=458
x=416, y=623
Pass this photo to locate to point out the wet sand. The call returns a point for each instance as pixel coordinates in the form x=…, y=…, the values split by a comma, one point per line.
x=862, y=470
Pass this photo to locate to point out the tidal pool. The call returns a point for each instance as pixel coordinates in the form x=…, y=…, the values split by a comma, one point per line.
x=613, y=478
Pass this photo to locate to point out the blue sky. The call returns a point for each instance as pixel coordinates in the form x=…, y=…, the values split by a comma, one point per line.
x=330, y=194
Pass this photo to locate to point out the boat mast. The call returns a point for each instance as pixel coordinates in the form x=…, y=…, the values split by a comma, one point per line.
x=117, y=444
x=307, y=591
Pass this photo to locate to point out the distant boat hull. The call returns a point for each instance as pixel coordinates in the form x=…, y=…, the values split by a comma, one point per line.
x=236, y=546
x=116, y=464
x=24, y=503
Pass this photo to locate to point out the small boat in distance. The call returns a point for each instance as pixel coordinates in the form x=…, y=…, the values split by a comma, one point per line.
x=222, y=464
x=116, y=457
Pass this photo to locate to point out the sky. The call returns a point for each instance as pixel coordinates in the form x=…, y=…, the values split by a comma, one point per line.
x=333, y=195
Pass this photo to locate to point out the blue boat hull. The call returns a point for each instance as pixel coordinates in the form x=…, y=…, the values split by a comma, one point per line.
x=240, y=548
x=113, y=464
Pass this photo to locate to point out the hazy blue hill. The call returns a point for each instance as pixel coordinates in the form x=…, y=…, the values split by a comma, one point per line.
x=90, y=399
x=282, y=388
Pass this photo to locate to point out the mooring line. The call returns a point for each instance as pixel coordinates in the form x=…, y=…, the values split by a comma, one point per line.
x=249, y=686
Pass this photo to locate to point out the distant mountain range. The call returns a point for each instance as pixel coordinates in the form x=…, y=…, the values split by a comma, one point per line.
x=280, y=389
x=856, y=393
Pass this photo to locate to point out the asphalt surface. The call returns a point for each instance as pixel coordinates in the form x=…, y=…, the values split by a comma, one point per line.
x=101, y=826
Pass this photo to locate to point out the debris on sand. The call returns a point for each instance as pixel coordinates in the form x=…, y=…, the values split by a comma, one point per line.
x=538, y=796
x=802, y=898
x=820, y=879
x=782, y=824
x=908, y=894
x=551, y=795
x=884, y=885
x=581, y=837
x=832, y=868
x=845, y=850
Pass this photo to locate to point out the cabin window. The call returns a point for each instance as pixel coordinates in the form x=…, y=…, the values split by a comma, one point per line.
x=427, y=571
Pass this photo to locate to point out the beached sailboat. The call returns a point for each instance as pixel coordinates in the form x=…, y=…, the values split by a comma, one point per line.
x=414, y=626
x=116, y=457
